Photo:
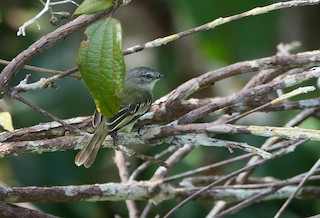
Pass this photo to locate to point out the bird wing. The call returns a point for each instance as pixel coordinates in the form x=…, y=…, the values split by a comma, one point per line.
x=97, y=119
x=127, y=115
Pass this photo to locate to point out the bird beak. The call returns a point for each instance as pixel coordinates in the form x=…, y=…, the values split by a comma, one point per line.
x=160, y=76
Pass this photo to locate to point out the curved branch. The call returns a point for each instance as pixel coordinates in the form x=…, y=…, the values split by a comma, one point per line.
x=45, y=42
x=255, y=92
x=170, y=105
x=10, y=210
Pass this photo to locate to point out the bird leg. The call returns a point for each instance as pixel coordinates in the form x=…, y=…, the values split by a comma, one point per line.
x=114, y=137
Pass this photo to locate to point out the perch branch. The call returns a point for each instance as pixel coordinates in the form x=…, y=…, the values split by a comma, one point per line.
x=19, y=143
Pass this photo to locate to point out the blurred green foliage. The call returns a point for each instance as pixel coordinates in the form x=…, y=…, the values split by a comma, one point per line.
x=142, y=21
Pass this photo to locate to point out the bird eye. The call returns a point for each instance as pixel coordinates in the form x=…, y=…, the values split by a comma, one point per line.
x=148, y=76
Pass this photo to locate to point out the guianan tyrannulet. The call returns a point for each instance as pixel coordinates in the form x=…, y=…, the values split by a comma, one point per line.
x=137, y=98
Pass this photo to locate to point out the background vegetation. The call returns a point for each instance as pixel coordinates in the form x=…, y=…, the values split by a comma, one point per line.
x=144, y=20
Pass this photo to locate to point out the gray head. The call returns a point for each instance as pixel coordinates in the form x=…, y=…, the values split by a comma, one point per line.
x=145, y=77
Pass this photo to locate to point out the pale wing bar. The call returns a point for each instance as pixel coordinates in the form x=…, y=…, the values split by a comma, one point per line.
x=127, y=115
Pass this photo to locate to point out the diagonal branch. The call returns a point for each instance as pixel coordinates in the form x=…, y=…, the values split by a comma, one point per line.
x=170, y=105
x=45, y=42
x=40, y=110
x=257, y=91
x=10, y=210
x=220, y=21
x=303, y=181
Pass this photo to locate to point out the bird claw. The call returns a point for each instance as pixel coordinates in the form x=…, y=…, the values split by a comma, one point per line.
x=114, y=137
x=139, y=130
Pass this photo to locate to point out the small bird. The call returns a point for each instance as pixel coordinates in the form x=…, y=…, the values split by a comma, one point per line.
x=137, y=98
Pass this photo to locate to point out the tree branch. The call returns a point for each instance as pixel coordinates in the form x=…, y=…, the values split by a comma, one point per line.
x=15, y=146
x=137, y=191
x=170, y=105
x=10, y=210
x=45, y=42
x=220, y=21
x=44, y=70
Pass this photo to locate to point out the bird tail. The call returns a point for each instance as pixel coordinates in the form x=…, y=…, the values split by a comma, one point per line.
x=88, y=153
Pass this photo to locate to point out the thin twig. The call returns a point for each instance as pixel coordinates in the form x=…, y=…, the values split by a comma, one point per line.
x=43, y=43
x=143, y=166
x=47, y=114
x=252, y=183
x=131, y=152
x=46, y=8
x=298, y=91
x=161, y=172
x=172, y=161
x=240, y=179
x=45, y=70
x=303, y=181
x=260, y=90
x=256, y=197
x=249, y=201
x=207, y=168
x=293, y=122
x=220, y=21
x=226, y=178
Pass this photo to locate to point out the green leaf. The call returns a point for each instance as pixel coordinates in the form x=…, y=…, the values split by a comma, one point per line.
x=93, y=6
x=101, y=64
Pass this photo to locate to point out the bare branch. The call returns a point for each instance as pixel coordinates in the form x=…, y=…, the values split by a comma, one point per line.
x=303, y=181
x=233, y=174
x=300, y=90
x=169, y=106
x=173, y=160
x=10, y=210
x=164, y=132
x=22, y=29
x=273, y=73
x=40, y=110
x=256, y=92
x=143, y=166
x=42, y=44
x=240, y=179
x=44, y=70
x=220, y=21
x=136, y=191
